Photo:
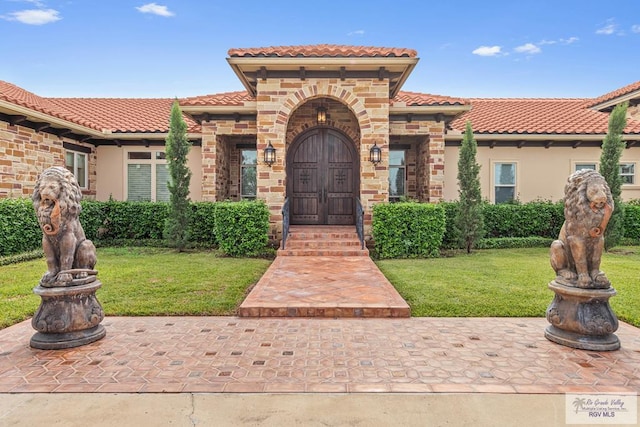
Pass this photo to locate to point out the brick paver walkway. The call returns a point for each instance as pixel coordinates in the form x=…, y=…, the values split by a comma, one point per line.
x=230, y=354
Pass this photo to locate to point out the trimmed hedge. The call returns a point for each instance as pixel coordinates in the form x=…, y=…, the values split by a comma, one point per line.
x=408, y=230
x=129, y=223
x=632, y=221
x=19, y=229
x=242, y=228
x=542, y=219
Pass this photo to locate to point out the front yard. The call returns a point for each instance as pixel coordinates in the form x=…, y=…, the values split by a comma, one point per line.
x=156, y=282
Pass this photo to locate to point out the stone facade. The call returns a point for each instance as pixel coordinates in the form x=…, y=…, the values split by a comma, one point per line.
x=277, y=102
x=218, y=180
x=429, y=160
x=25, y=153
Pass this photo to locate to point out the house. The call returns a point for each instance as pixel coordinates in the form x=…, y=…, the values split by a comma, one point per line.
x=323, y=126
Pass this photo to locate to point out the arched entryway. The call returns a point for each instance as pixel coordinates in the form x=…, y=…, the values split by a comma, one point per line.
x=322, y=178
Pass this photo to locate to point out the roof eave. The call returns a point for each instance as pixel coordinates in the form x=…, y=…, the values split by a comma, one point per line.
x=454, y=136
x=248, y=108
x=401, y=63
x=53, y=120
x=615, y=101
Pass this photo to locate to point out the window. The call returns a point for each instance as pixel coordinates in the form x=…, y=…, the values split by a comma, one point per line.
x=582, y=166
x=504, y=182
x=248, y=177
x=627, y=173
x=147, y=176
x=76, y=163
x=397, y=175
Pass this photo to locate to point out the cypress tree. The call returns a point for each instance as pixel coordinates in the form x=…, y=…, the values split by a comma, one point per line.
x=612, y=148
x=469, y=220
x=177, y=148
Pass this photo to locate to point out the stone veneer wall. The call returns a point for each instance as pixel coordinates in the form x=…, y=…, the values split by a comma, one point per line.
x=212, y=150
x=633, y=112
x=430, y=157
x=338, y=117
x=278, y=99
x=222, y=168
x=25, y=153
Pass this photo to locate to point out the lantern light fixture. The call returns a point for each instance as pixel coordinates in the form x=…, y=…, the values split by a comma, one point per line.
x=269, y=155
x=375, y=154
x=321, y=115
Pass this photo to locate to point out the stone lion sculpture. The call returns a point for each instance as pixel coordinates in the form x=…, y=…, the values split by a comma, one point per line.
x=576, y=254
x=70, y=256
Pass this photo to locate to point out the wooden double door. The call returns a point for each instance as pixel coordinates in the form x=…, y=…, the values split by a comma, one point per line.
x=322, y=178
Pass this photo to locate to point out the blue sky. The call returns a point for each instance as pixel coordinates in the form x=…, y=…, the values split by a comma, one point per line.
x=168, y=48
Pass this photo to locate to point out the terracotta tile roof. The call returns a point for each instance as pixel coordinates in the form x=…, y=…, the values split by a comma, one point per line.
x=633, y=87
x=114, y=114
x=125, y=114
x=228, y=98
x=16, y=95
x=421, y=99
x=322, y=50
x=536, y=116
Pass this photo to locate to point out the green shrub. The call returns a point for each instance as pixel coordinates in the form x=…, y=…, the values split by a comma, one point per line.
x=242, y=228
x=542, y=219
x=514, y=242
x=632, y=221
x=133, y=220
x=203, y=223
x=408, y=230
x=19, y=229
x=92, y=217
x=451, y=239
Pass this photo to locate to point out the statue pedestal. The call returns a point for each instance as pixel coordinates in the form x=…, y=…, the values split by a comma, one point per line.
x=582, y=318
x=67, y=317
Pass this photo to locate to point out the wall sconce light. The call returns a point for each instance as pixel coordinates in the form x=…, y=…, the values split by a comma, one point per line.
x=270, y=155
x=375, y=154
x=321, y=115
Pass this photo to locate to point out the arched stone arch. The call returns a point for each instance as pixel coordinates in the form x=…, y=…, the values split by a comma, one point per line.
x=318, y=90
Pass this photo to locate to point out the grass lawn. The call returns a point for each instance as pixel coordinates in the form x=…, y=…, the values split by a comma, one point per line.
x=144, y=282
x=503, y=283
x=152, y=281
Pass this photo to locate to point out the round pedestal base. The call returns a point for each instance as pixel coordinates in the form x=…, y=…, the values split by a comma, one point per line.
x=607, y=342
x=67, y=317
x=49, y=341
x=582, y=318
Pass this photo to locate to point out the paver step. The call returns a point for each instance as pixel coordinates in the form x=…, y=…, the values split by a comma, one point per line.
x=323, y=252
x=322, y=241
x=322, y=244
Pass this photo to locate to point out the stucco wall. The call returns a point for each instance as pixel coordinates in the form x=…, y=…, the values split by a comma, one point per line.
x=541, y=173
x=112, y=176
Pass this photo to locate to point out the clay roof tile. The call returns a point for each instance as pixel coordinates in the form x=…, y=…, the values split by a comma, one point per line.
x=322, y=50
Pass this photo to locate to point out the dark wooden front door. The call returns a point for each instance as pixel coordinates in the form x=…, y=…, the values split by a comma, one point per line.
x=322, y=176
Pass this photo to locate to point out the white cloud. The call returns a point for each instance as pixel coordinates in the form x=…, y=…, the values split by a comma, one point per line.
x=35, y=16
x=488, y=51
x=635, y=28
x=608, y=29
x=155, y=9
x=356, y=33
x=529, y=48
x=570, y=40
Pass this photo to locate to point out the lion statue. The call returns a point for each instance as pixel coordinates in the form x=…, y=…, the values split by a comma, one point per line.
x=70, y=256
x=576, y=254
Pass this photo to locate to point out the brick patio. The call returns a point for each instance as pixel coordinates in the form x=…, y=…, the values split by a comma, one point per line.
x=230, y=354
